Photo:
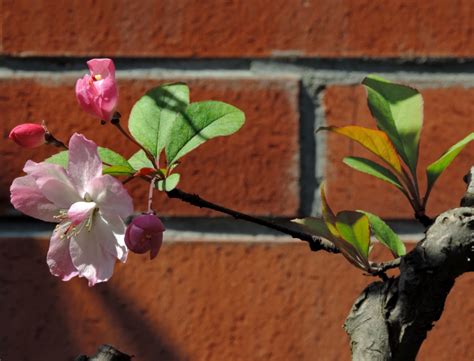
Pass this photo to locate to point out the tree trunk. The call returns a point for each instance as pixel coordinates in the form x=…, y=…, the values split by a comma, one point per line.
x=390, y=320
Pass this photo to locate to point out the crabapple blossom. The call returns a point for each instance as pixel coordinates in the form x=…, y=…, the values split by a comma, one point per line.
x=28, y=135
x=89, y=208
x=97, y=92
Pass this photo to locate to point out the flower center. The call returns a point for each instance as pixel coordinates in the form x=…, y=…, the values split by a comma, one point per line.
x=79, y=216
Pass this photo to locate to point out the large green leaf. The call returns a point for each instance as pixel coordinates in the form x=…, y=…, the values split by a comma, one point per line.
x=169, y=183
x=113, y=158
x=117, y=170
x=354, y=228
x=398, y=110
x=201, y=122
x=374, y=169
x=386, y=235
x=60, y=158
x=434, y=170
x=153, y=115
x=108, y=156
x=139, y=160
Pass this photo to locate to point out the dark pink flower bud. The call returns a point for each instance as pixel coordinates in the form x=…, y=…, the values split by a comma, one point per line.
x=28, y=135
x=145, y=233
x=97, y=92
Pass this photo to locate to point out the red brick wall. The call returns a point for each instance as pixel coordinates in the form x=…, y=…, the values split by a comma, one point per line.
x=290, y=66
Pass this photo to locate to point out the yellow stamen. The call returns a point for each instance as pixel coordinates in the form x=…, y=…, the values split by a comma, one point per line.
x=98, y=77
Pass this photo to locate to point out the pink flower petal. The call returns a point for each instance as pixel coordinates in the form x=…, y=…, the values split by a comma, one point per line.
x=58, y=258
x=86, y=94
x=111, y=197
x=80, y=211
x=90, y=258
x=27, y=198
x=84, y=162
x=53, y=183
x=107, y=88
x=102, y=66
x=110, y=232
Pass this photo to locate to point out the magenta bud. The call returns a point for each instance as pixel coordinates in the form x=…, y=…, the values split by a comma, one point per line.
x=145, y=233
x=97, y=92
x=28, y=135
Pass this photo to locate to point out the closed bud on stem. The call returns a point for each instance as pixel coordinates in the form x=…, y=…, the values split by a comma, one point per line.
x=97, y=92
x=28, y=135
x=145, y=233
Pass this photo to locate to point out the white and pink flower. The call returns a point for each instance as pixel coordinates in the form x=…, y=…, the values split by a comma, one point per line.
x=89, y=208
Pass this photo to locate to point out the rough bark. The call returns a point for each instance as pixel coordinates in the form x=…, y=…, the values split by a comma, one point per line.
x=390, y=320
x=105, y=353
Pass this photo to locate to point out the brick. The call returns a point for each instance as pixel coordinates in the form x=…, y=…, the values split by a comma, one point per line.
x=184, y=28
x=202, y=301
x=255, y=170
x=447, y=119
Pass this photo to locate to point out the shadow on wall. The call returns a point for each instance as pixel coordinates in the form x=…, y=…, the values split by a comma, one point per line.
x=44, y=318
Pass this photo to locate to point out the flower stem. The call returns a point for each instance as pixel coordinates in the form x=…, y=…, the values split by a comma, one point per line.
x=116, y=122
x=150, y=194
x=50, y=139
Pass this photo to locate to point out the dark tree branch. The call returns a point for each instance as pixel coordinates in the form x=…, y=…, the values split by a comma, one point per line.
x=315, y=243
x=106, y=353
x=390, y=320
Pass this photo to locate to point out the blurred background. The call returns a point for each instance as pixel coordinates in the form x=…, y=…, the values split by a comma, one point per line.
x=223, y=289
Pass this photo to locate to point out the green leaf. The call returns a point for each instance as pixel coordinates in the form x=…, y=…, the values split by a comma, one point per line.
x=201, y=122
x=319, y=227
x=434, y=170
x=117, y=170
x=316, y=226
x=139, y=160
x=354, y=228
x=60, y=158
x=398, y=110
x=169, y=183
x=154, y=114
x=386, y=235
x=113, y=158
x=376, y=170
x=106, y=155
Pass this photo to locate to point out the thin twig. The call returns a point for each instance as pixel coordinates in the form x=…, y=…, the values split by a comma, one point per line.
x=385, y=266
x=315, y=243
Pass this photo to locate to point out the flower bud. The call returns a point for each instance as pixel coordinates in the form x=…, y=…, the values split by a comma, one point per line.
x=145, y=233
x=28, y=135
x=97, y=92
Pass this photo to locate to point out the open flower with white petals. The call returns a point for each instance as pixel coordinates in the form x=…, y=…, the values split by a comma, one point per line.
x=89, y=207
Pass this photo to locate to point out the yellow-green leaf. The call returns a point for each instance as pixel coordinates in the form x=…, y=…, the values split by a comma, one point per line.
x=435, y=169
x=316, y=226
x=373, y=140
x=328, y=214
x=354, y=228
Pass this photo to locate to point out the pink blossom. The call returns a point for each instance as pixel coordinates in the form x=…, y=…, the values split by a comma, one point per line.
x=28, y=135
x=89, y=207
x=97, y=93
x=145, y=233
